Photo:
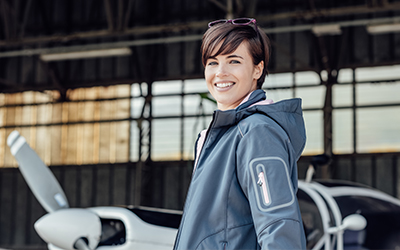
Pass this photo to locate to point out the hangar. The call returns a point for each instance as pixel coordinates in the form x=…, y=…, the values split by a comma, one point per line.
x=111, y=94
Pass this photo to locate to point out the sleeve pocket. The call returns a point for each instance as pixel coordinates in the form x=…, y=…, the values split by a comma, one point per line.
x=271, y=182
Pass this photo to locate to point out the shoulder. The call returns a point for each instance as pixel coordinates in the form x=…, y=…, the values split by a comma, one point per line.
x=257, y=122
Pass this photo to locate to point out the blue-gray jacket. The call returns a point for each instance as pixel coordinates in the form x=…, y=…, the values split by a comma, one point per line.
x=243, y=190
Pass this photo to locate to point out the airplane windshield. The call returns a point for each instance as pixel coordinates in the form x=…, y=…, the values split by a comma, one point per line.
x=383, y=222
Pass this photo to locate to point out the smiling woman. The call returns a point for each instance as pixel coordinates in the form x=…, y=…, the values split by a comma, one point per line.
x=242, y=193
x=235, y=62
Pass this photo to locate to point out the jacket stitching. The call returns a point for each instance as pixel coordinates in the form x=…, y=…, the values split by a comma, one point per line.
x=226, y=206
x=247, y=224
x=208, y=236
x=240, y=130
x=275, y=221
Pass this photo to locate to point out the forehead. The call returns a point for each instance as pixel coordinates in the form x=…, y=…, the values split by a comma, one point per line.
x=242, y=49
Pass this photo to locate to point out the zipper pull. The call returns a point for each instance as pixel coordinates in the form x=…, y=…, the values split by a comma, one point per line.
x=263, y=186
x=260, y=181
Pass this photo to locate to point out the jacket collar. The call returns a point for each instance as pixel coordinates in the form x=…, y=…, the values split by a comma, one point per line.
x=233, y=116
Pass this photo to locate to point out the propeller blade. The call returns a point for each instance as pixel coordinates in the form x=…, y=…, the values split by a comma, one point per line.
x=37, y=175
x=74, y=228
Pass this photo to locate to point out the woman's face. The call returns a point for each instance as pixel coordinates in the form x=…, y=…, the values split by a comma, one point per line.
x=230, y=78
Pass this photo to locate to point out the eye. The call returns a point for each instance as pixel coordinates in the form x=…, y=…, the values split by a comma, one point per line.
x=212, y=63
x=235, y=62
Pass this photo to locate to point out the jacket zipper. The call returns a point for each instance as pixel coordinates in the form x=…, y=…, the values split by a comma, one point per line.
x=176, y=244
x=263, y=187
x=204, y=143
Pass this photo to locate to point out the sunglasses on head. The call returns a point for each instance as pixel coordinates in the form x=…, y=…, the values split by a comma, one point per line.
x=237, y=21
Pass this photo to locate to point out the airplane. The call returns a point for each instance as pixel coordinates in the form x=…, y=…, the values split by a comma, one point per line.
x=102, y=228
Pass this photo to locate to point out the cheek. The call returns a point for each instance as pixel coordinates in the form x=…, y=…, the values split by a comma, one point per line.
x=208, y=74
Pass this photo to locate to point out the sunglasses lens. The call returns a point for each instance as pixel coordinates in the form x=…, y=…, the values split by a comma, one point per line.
x=242, y=21
x=217, y=22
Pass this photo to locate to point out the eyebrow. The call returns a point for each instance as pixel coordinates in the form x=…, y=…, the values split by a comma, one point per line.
x=230, y=56
x=234, y=56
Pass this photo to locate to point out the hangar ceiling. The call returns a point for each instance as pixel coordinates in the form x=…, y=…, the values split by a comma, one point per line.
x=162, y=38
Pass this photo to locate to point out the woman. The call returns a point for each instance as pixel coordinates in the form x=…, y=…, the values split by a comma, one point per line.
x=243, y=189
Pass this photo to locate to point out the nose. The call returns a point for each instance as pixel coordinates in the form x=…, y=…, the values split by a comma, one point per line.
x=221, y=71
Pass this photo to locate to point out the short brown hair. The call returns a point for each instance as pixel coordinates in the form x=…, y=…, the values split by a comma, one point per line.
x=231, y=36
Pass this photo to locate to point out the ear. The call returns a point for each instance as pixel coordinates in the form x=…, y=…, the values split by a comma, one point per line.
x=258, y=70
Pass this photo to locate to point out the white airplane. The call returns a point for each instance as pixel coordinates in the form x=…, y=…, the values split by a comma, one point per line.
x=102, y=228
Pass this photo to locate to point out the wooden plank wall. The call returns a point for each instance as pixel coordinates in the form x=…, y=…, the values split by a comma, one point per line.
x=91, y=128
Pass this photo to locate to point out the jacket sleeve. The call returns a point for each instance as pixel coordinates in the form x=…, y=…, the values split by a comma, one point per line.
x=268, y=179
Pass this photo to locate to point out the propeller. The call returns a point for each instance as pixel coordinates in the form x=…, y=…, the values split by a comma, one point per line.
x=37, y=175
x=63, y=227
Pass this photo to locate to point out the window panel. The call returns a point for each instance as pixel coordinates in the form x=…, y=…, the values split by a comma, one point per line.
x=166, y=87
x=137, y=106
x=369, y=94
x=134, y=142
x=165, y=106
x=312, y=97
x=314, y=131
x=378, y=130
x=191, y=130
x=279, y=94
x=165, y=139
x=307, y=78
x=343, y=131
x=345, y=76
x=378, y=73
x=278, y=80
x=342, y=95
x=195, y=86
x=195, y=105
x=138, y=90
x=191, y=104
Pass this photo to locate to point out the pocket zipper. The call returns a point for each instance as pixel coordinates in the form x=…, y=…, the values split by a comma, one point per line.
x=264, y=192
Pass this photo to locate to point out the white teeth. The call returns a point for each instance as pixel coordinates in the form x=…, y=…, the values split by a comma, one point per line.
x=224, y=84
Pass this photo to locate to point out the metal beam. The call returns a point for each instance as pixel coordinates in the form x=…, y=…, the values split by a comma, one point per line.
x=340, y=11
x=25, y=20
x=175, y=39
x=4, y=10
x=109, y=14
x=229, y=8
x=166, y=40
x=239, y=8
x=120, y=18
x=176, y=28
x=128, y=14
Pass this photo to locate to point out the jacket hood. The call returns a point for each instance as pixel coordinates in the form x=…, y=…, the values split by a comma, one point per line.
x=287, y=113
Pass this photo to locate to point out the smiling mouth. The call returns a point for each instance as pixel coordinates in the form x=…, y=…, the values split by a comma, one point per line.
x=224, y=84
